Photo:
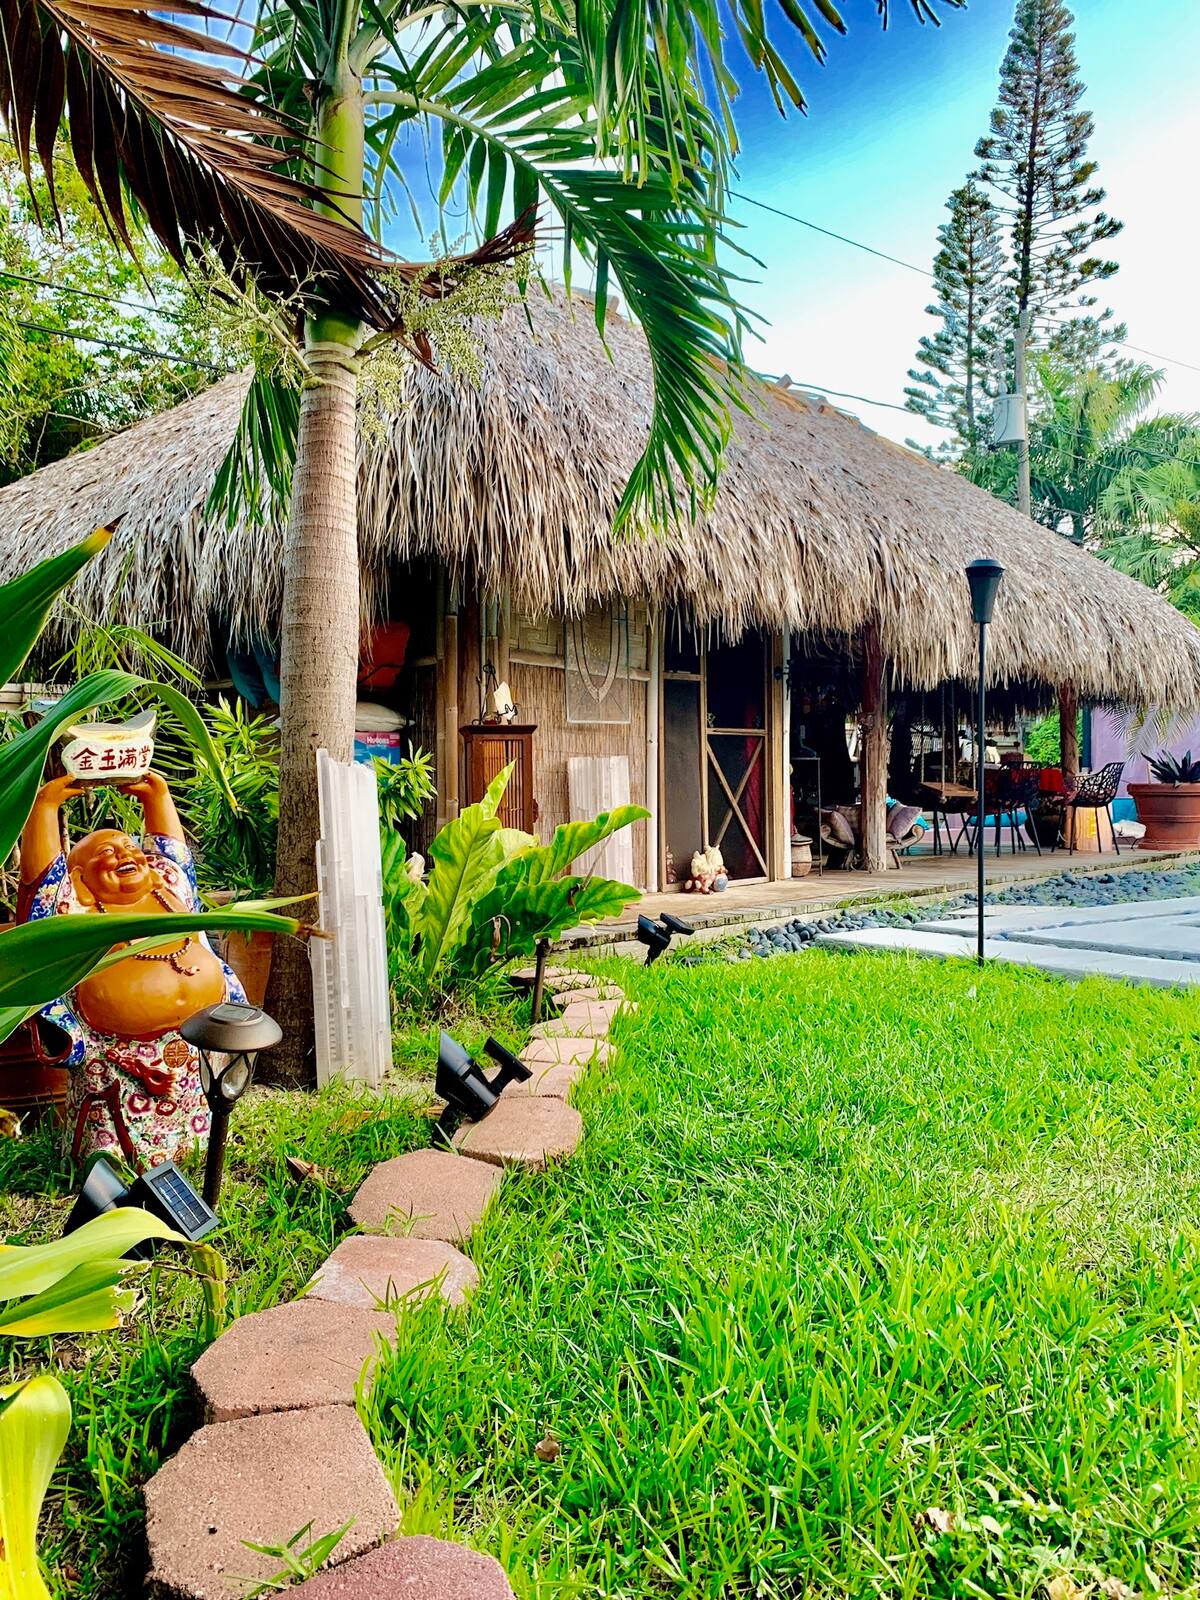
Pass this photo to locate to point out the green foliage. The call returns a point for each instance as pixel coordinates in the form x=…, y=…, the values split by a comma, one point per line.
x=850, y=1241
x=229, y=801
x=58, y=393
x=1043, y=742
x=405, y=787
x=304, y=1554
x=1166, y=768
x=493, y=894
x=76, y=1284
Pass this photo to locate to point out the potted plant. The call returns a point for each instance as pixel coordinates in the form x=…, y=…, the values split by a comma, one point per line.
x=1170, y=806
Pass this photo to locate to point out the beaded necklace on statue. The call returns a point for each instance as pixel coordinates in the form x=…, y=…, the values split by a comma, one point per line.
x=169, y=956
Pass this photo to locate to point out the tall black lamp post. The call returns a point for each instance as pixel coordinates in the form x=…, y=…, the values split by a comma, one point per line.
x=228, y=1038
x=984, y=578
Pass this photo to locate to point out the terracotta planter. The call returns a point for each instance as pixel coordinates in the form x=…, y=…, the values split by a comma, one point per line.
x=247, y=954
x=1171, y=814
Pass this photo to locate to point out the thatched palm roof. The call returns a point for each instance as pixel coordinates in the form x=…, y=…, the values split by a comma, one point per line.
x=819, y=524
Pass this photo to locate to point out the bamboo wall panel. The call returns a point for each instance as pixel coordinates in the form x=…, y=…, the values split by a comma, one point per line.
x=540, y=693
x=596, y=784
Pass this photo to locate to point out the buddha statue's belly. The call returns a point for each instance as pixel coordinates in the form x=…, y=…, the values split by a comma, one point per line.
x=141, y=999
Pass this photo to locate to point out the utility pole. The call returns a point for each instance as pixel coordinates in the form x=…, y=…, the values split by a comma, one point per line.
x=1024, y=491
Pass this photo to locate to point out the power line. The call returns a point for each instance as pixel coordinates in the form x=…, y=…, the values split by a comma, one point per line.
x=90, y=294
x=842, y=394
x=882, y=255
x=117, y=344
x=829, y=234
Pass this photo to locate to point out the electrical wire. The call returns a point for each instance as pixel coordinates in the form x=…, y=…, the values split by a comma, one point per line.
x=90, y=294
x=117, y=344
x=911, y=266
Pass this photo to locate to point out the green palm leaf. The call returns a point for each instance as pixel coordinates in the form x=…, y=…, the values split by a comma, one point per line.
x=26, y=601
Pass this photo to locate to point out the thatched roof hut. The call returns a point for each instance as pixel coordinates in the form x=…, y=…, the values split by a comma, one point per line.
x=819, y=525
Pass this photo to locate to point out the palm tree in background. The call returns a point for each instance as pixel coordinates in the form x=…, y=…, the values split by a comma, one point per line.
x=268, y=142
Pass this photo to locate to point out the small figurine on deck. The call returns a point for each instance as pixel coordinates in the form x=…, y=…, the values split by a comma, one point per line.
x=134, y=1082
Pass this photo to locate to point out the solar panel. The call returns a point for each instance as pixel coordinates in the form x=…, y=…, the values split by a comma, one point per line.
x=170, y=1196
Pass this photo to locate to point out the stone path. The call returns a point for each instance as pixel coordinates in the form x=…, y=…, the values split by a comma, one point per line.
x=1153, y=941
x=283, y=1446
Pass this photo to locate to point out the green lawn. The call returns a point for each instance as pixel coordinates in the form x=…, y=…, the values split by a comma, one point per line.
x=873, y=1277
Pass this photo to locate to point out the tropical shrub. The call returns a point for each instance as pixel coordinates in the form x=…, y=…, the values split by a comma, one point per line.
x=39, y=961
x=230, y=806
x=493, y=894
x=78, y=1284
x=405, y=786
x=1166, y=768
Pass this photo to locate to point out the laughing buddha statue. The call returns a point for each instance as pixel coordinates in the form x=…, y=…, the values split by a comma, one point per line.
x=134, y=1085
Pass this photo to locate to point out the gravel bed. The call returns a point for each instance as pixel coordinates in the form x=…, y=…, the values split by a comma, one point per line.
x=1064, y=889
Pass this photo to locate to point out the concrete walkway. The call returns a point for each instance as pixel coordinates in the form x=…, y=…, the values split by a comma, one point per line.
x=1155, y=942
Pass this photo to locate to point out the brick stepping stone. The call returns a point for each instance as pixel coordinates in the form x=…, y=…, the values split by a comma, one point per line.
x=262, y=1479
x=556, y=978
x=417, y=1568
x=598, y=991
x=367, y=1270
x=530, y=1133
x=292, y=1357
x=427, y=1194
x=559, y=1048
x=555, y=1079
x=588, y=1017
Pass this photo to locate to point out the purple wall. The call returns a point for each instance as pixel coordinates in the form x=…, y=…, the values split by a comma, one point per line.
x=1111, y=742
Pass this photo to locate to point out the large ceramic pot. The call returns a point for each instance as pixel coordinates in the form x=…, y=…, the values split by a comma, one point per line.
x=33, y=1082
x=1170, y=813
x=247, y=954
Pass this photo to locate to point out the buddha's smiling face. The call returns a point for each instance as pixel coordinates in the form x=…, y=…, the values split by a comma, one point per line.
x=109, y=869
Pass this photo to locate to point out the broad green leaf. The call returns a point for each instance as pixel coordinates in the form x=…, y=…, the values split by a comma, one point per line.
x=569, y=841
x=39, y=961
x=35, y=1418
x=490, y=803
x=86, y=1300
x=465, y=855
x=508, y=927
x=28, y=1269
x=26, y=601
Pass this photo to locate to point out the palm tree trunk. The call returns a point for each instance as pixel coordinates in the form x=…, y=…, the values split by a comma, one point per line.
x=319, y=669
x=319, y=666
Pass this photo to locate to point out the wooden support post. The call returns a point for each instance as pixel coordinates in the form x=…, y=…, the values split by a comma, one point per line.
x=874, y=753
x=448, y=777
x=1068, y=729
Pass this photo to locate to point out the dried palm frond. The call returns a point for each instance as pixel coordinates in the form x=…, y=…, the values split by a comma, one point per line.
x=159, y=116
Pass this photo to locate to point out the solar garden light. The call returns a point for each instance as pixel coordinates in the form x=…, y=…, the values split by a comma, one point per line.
x=984, y=579
x=163, y=1191
x=461, y=1084
x=657, y=935
x=237, y=1032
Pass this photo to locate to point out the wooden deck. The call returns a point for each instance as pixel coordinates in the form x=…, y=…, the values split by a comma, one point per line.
x=921, y=876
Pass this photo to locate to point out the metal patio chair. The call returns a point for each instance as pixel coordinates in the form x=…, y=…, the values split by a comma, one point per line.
x=1095, y=791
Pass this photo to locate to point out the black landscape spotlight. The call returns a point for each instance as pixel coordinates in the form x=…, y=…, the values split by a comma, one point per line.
x=228, y=1038
x=984, y=578
x=461, y=1084
x=163, y=1191
x=656, y=936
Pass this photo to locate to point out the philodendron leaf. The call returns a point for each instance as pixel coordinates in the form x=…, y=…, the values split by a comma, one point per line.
x=30, y=1269
x=35, y=1418
x=39, y=961
x=88, y=1299
x=465, y=855
x=22, y=759
x=25, y=602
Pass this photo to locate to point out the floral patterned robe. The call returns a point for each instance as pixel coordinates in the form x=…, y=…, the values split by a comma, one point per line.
x=138, y=1098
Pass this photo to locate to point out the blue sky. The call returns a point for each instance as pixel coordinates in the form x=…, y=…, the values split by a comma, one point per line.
x=890, y=130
